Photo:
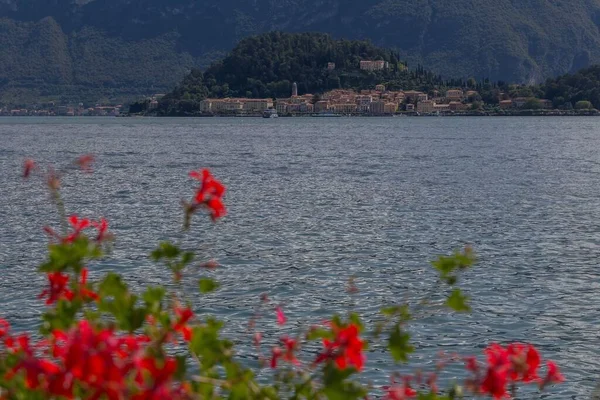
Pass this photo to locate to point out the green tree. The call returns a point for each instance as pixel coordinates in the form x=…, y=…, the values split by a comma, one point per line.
x=583, y=105
x=532, y=104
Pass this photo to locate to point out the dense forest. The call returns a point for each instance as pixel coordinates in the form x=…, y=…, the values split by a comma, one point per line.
x=68, y=50
x=571, y=89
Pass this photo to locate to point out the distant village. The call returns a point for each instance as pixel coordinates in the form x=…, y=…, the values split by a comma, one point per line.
x=377, y=101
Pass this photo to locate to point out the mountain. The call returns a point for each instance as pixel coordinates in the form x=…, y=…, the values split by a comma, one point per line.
x=112, y=48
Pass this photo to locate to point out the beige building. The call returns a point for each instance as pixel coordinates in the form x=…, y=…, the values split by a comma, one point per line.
x=390, y=108
x=281, y=107
x=454, y=94
x=380, y=88
x=256, y=104
x=425, y=106
x=348, y=108
x=457, y=106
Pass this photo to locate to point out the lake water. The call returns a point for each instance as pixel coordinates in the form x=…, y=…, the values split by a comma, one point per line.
x=314, y=201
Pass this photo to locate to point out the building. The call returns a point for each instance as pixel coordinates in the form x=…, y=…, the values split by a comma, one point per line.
x=441, y=108
x=454, y=94
x=322, y=105
x=457, y=106
x=412, y=95
x=546, y=104
x=425, y=106
x=390, y=108
x=330, y=66
x=348, y=108
x=410, y=107
x=378, y=107
x=256, y=105
x=378, y=65
x=294, y=89
x=504, y=104
x=281, y=107
x=380, y=88
x=519, y=101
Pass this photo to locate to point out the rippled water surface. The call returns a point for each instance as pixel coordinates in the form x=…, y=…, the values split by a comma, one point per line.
x=313, y=201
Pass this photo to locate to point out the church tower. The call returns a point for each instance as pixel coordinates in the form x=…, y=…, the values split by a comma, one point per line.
x=294, y=89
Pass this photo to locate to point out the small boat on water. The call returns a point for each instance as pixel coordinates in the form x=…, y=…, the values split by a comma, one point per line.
x=270, y=113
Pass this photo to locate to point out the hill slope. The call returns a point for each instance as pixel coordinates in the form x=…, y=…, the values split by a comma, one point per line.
x=133, y=46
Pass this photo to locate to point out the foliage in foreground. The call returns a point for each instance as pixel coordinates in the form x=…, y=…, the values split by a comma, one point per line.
x=103, y=340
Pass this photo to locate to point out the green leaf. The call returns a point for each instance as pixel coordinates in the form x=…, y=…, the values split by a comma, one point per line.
x=458, y=301
x=355, y=319
x=207, y=285
x=402, y=311
x=181, y=367
x=165, y=250
x=153, y=297
x=187, y=257
x=399, y=344
x=319, y=333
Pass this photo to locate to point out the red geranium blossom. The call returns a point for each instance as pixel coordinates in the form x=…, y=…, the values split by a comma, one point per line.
x=102, y=227
x=209, y=194
x=58, y=288
x=525, y=361
x=553, y=375
x=345, y=350
x=83, y=291
x=184, y=315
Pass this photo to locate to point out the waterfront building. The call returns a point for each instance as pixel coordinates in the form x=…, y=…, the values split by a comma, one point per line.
x=390, y=108
x=457, y=106
x=425, y=106
x=281, y=107
x=348, y=108
x=378, y=107
x=410, y=107
x=519, y=102
x=505, y=104
x=321, y=105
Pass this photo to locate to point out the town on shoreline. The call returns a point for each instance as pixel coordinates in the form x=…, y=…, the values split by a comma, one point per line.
x=381, y=102
x=377, y=102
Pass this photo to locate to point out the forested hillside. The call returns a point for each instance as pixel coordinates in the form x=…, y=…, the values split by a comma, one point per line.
x=113, y=48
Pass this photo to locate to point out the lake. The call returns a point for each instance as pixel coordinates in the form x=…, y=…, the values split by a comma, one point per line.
x=313, y=201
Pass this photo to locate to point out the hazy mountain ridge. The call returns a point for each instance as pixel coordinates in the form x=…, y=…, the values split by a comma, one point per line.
x=131, y=46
